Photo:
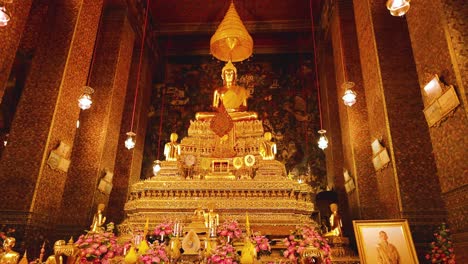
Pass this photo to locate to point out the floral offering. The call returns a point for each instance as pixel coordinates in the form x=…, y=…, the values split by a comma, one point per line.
x=229, y=229
x=224, y=254
x=306, y=236
x=98, y=247
x=262, y=245
x=156, y=254
x=441, y=249
x=164, y=229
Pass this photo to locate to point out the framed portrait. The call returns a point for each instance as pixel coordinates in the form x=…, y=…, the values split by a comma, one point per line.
x=384, y=241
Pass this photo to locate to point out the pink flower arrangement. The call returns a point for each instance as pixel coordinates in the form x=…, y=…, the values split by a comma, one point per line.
x=164, y=229
x=262, y=245
x=229, y=229
x=98, y=247
x=156, y=254
x=302, y=238
x=224, y=254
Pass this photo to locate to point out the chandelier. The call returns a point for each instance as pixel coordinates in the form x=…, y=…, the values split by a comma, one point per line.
x=4, y=16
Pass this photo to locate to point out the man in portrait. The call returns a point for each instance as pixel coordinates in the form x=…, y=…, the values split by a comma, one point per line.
x=386, y=252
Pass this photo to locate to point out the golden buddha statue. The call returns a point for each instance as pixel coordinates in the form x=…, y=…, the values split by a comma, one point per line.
x=335, y=222
x=98, y=220
x=232, y=96
x=267, y=148
x=172, y=149
x=8, y=256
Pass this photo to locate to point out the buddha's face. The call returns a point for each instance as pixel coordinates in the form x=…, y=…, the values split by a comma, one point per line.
x=229, y=75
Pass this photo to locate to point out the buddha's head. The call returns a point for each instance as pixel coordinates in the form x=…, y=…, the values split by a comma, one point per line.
x=174, y=137
x=333, y=207
x=267, y=136
x=101, y=207
x=229, y=72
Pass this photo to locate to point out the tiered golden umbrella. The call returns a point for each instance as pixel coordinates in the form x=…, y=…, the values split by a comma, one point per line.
x=231, y=41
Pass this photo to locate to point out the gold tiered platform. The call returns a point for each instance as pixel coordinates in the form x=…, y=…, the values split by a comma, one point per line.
x=205, y=176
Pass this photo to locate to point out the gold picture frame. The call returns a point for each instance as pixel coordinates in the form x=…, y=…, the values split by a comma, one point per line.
x=371, y=233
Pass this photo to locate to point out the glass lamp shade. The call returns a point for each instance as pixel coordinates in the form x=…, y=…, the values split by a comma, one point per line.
x=156, y=167
x=84, y=102
x=130, y=141
x=398, y=7
x=349, y=98
x=4, y=16
x=323, y=140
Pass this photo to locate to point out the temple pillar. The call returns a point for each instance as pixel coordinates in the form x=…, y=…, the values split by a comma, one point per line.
x=129, y=162
x=11, y=36
x=409, y=186
x=435, y=28
x=353, y=120
x=95, y=150
x=46, y=116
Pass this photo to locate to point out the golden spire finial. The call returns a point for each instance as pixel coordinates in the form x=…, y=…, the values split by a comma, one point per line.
x=231, y=41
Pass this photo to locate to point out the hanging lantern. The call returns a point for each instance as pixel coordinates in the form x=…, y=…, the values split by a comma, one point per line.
x=130, y=141
x=398, y=7
x=349, y=97
x=85, y=101
x=231, y=41
x=323, y=140
x=4, y=16
x=156, y=167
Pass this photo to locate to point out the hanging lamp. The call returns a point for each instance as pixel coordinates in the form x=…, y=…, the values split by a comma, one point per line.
x=231, y=41
x=85, y=100
x=4, y=15
x=398, y=7
x=130, y=142
x=349, y=97
x=323, y=141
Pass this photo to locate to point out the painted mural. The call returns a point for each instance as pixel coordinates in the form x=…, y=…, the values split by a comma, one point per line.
x=282, y=93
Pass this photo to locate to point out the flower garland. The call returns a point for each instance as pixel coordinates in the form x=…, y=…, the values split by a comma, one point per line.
x=229, y=229
x=302, y=238
x=441, y=249
x=224, y=254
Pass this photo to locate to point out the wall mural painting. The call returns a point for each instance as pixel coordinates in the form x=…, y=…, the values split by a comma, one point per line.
x=282, y=93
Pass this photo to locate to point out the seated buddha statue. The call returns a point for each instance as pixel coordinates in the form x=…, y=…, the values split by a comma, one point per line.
x=231, y=96
x=335, y=222
x=9, y=256
x=267, y=148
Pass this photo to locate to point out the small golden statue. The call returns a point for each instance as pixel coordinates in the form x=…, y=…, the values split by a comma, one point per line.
x=267, y=148
x=98, y=220
x=211, y=219
x=172, y=149
x=8, y=256
x=335, y=222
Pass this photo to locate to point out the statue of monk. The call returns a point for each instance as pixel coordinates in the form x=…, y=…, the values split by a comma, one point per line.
x=267, y=148
x=8, y=256
x=335, y=222
x=98, y=220
x=172, y=149
x=232, y=96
